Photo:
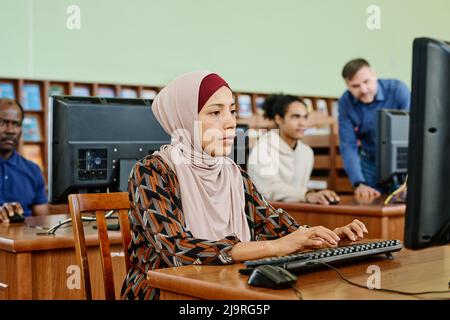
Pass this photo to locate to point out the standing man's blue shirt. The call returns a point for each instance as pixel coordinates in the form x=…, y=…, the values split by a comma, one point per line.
x=21, y=181
x=357, y=121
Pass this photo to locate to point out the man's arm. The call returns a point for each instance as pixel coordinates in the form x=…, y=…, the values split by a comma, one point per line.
x=348, y=145
x=40, y=209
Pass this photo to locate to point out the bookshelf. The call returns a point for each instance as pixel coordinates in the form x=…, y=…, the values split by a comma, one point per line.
x=34, y=95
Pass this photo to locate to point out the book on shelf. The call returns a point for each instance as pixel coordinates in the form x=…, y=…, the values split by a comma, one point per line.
x=309, y=104
x=106, y=92
x=128, y=93
x=321, y=106
x=317, y=184
x=335, y=110
x=31, y=97
x=245, y=106
x=31, y=130
x=56, y=90
x=7, y=90
x=259, y=101
x=148, y=94
x=323, y=119
x=33, y=152
x=81, y=91
x=317, y=130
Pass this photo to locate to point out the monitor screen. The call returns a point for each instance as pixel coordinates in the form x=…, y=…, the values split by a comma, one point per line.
x=392, y=146
x=94, y=143
x=428, y=198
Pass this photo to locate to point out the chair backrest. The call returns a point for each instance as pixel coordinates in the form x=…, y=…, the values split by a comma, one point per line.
x=100, y=203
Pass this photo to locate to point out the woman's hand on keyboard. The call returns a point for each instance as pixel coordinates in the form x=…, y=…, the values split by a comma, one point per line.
x=306, y=238
x=354, y=230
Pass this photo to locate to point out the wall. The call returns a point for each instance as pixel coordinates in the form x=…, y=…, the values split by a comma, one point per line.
x=264, y=46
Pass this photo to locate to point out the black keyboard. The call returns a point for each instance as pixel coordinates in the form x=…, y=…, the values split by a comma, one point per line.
x=313, y=259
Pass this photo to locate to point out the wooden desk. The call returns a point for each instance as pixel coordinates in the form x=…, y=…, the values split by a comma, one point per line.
x=383, y=222
x=36, y=266
x=423, y=270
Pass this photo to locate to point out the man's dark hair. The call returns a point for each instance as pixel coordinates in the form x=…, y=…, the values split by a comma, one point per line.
x=12, y=102
x=352, y=67
x=277, y=104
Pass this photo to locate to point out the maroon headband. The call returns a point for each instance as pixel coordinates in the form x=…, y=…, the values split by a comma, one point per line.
x=210, y=84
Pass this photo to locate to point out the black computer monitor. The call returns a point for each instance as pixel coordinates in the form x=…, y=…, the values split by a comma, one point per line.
x=94, y=142
x=428, y=198
x=240, y=150
x=392, y=146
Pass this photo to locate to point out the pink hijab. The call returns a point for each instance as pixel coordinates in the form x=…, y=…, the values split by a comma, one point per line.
x=212, y=191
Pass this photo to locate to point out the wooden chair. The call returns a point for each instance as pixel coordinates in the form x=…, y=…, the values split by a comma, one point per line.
x=100, y=203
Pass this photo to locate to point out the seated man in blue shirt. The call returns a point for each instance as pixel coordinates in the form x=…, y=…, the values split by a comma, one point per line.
x=357, y=121
x=22, y=187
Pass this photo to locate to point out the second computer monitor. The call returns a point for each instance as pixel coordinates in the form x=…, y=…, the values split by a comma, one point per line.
x=392, y=144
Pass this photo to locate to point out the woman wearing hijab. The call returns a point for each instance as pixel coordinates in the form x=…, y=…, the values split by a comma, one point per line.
x=191, y=204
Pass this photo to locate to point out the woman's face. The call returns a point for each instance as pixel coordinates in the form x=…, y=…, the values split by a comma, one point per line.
x=218, y=123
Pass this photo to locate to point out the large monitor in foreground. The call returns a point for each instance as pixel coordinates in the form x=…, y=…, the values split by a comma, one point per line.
x=94, y=142
x=428, y=199
x=392, y=145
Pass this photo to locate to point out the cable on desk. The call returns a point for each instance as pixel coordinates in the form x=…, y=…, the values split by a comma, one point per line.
x=298, y=293
x=380, y=289
x=53, y=229
x=399, y=190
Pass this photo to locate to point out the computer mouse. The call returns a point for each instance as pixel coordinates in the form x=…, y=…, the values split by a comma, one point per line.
x=17, y=218
x=273, y=277
x=334, y=202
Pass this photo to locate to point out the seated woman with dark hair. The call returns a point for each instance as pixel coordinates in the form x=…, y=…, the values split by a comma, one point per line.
x=280, y=164
x=191, y=204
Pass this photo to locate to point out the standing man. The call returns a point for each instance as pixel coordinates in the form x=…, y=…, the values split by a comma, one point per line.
x=357, y=121
x=22, y=187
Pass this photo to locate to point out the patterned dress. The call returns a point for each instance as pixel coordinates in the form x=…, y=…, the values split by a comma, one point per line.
x=159, y=235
